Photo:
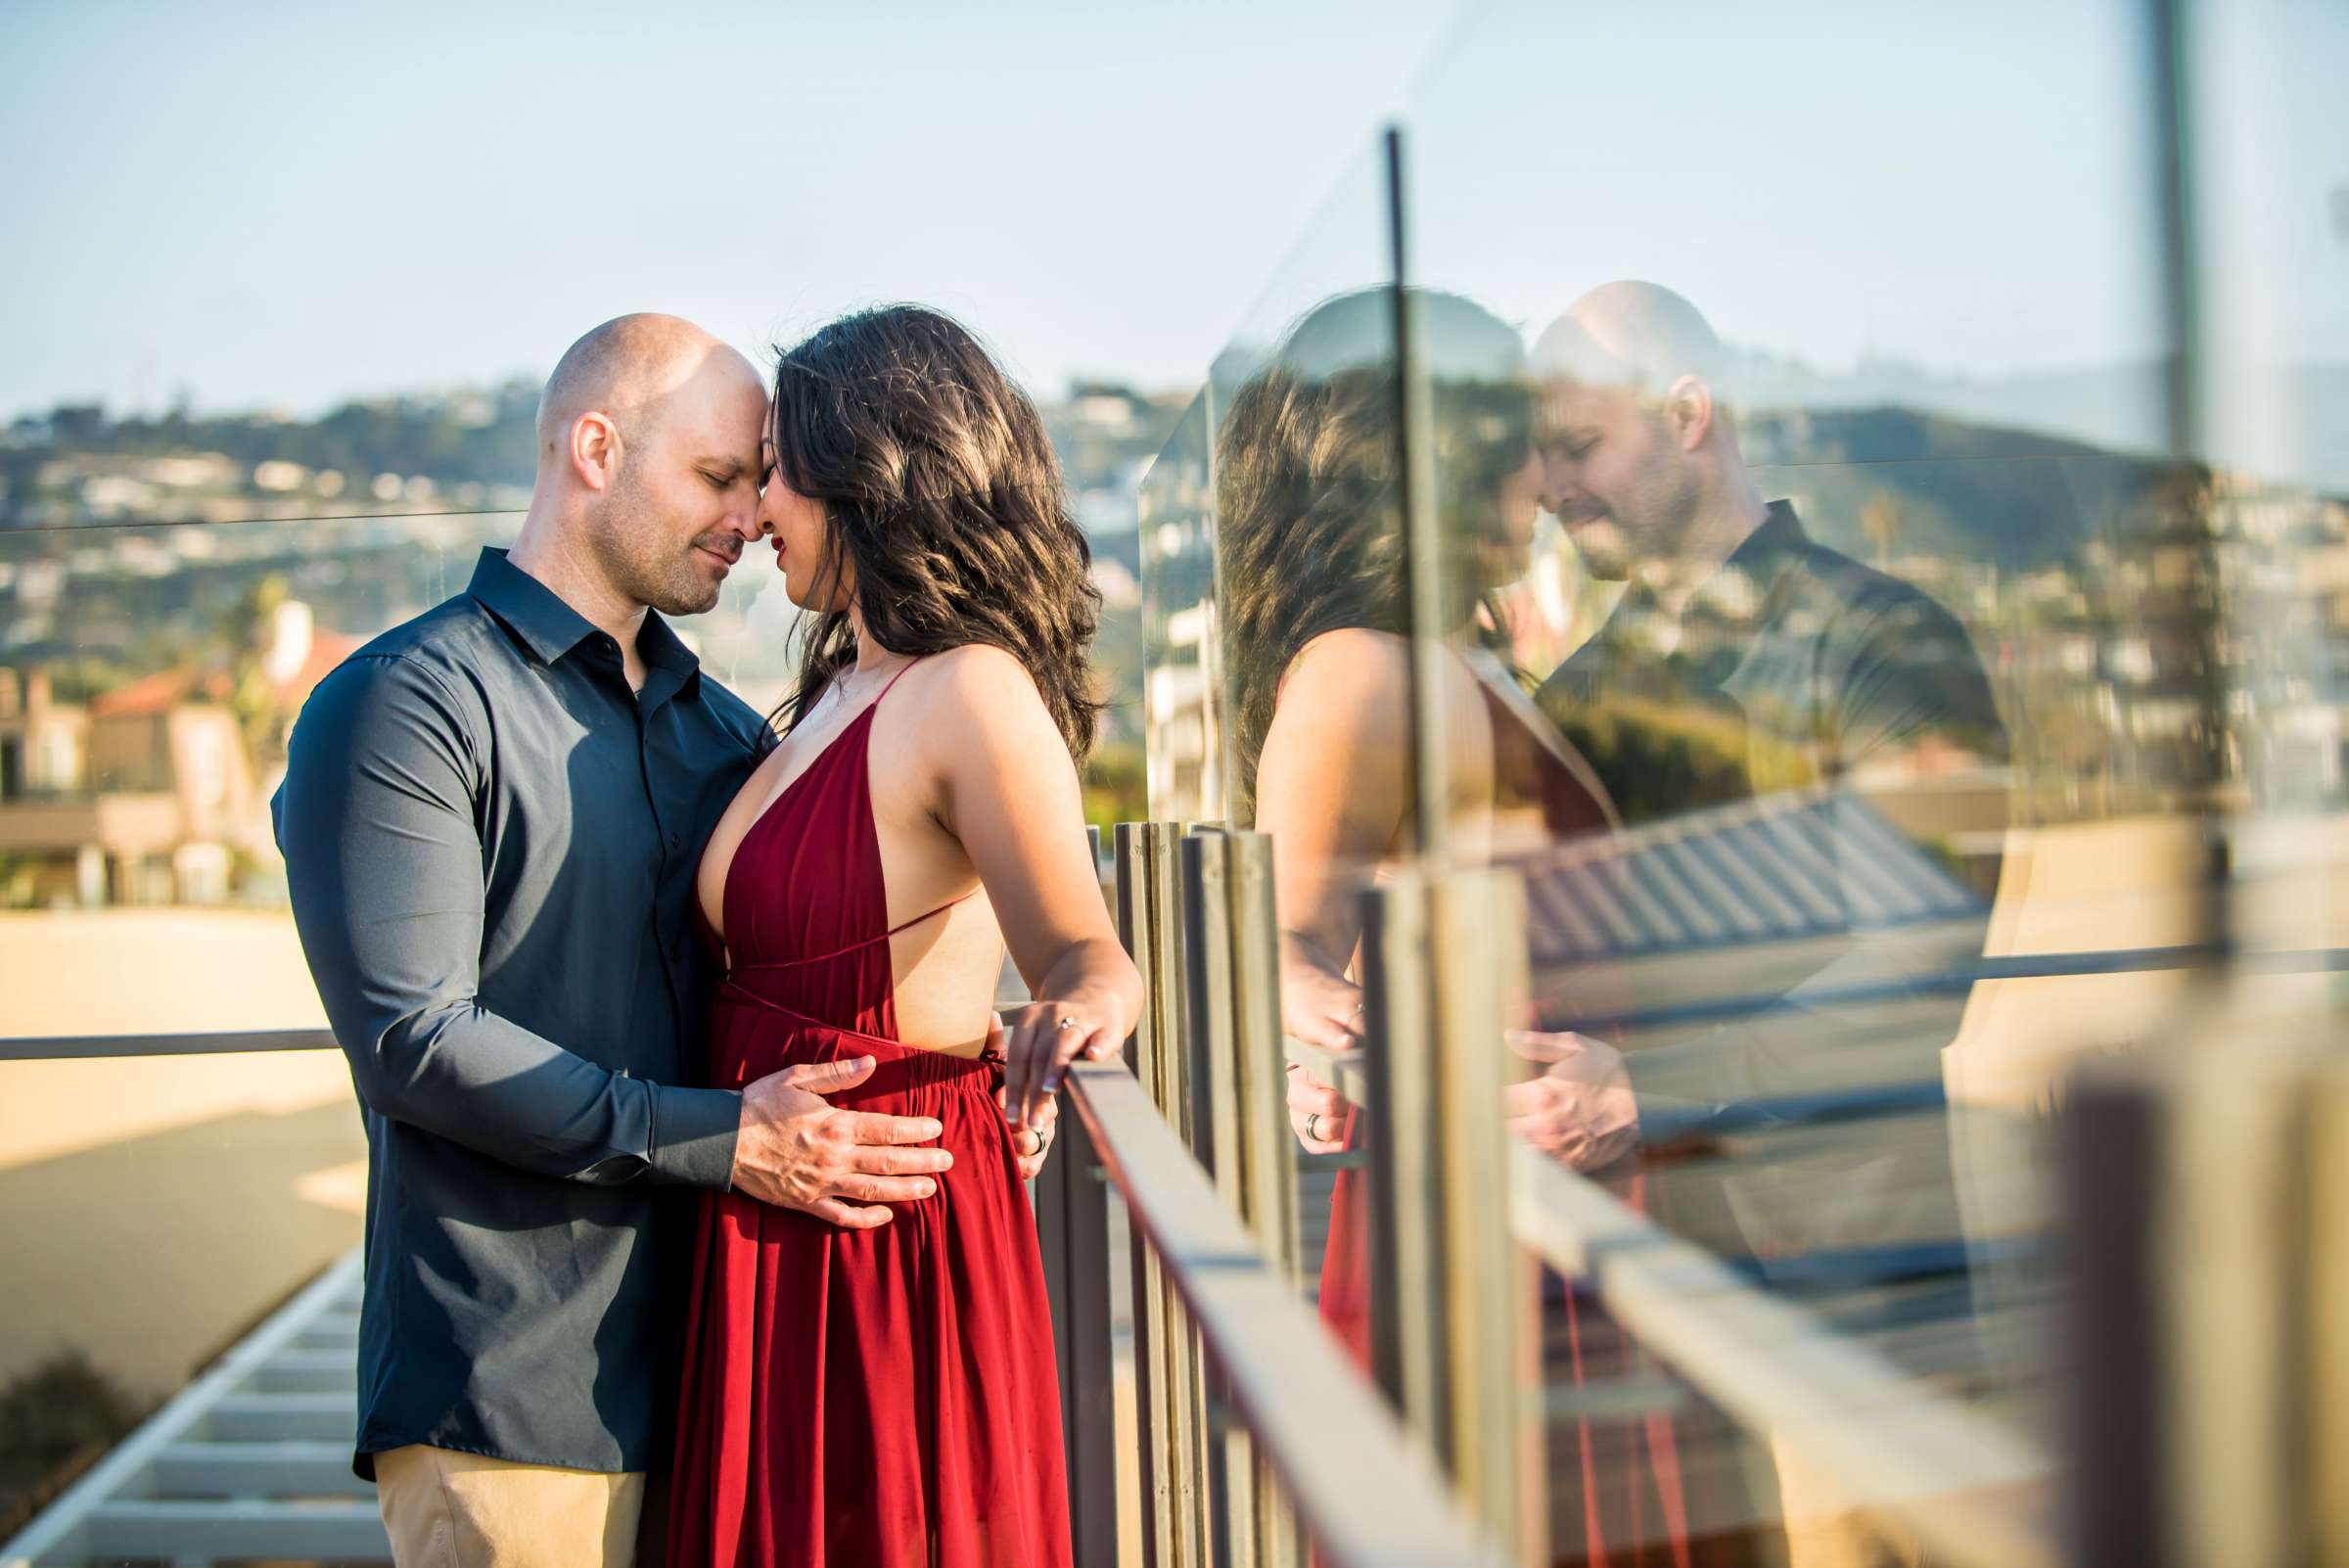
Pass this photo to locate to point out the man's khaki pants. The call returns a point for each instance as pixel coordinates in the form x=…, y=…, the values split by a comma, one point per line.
x=445, y=1510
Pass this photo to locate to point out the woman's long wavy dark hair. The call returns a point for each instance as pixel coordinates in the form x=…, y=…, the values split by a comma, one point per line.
x=1308, y=503
x=945, y=497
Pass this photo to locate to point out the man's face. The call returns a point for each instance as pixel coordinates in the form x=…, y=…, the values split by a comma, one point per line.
x=685, y=498
x=1612, y=474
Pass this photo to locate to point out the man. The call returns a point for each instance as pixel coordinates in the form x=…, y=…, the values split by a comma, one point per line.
x=1811, y=678
x=492, y=819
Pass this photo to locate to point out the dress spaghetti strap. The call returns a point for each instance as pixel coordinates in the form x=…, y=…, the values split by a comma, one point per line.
x=908, y=925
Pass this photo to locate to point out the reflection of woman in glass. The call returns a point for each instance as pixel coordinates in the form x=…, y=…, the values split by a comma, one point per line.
x=1308, y=519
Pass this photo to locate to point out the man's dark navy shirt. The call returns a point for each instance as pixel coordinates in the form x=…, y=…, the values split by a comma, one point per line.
x=491, y=843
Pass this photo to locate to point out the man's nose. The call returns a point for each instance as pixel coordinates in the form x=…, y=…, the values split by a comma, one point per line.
x=1557, y=489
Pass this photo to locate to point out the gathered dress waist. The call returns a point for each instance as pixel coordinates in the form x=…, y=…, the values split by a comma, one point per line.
x=798, y=1038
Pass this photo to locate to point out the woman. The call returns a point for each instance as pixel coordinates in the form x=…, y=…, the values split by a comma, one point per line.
x=879, y=1393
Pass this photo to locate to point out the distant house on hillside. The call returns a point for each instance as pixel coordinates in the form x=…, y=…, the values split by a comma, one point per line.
x=150, y=793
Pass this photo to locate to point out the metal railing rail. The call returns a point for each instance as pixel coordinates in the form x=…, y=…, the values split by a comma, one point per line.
x=86, y=1047
x=1368, y=1497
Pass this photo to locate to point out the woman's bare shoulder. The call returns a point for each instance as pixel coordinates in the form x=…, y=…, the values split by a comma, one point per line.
x=974, y=690
x=1352, y=671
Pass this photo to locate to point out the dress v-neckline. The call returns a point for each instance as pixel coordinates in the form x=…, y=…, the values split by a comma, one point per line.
x=725, y=886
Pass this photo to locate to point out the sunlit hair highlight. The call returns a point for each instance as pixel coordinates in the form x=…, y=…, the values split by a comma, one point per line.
x=941, y=492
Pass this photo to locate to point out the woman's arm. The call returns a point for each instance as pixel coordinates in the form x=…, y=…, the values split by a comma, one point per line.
x=1009, y=794
x=1331, y=783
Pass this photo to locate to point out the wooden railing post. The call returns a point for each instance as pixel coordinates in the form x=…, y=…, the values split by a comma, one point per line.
x=1169, y=1418
x=1450, y=1341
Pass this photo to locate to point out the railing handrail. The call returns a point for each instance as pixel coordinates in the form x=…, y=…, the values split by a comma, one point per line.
x=218, y=1042
x=1368, y=1497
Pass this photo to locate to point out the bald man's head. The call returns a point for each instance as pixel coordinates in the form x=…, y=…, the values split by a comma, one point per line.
x=633, y=367
x=1635, y=440
x=1630, y=336
x=648, y=457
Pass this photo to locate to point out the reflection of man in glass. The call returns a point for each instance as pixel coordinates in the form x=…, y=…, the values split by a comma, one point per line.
x=1744, y=662
x=1759, y=706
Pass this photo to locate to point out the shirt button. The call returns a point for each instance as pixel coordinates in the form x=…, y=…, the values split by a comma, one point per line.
x=675, y=840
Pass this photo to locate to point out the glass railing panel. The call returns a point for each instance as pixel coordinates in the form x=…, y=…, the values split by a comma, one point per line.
x=1826, y=629
x=2270, y=229
x=1280, y=673
x=1182, y=705
x=1201, y=767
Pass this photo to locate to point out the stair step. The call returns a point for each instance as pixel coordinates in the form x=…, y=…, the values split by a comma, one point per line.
x=187, y=1471
x=340, y=1532
x=280, y=1419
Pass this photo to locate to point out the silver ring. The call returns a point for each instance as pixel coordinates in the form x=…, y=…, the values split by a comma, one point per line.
x=1068, y=1023
x=1312, y=1127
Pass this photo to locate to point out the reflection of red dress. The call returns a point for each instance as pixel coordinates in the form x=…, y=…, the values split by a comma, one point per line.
x=1628, y=1472
x=871, y=1398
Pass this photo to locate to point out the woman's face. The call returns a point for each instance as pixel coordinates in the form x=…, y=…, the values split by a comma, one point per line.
x=1520, y=506
x=802, y=536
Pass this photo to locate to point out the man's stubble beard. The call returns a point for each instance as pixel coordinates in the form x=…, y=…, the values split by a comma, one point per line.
x=641, y=561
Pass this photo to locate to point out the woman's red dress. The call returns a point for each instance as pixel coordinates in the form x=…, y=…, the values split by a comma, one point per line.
x=883, y=1397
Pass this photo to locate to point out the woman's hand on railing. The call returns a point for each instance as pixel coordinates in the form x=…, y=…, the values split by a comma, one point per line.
x=1324, y=1008
x=1041, y=1038
x=1317, y=1004
x=1314, y=1110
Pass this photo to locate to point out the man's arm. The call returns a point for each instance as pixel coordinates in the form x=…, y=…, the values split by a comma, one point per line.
x=377, y=820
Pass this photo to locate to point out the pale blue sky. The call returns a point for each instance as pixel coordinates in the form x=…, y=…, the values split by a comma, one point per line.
x=276, y=206
x=272, y=207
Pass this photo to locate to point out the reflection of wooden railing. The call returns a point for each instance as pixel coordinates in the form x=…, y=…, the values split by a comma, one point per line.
x=1969, y=1489
x=1443, y=972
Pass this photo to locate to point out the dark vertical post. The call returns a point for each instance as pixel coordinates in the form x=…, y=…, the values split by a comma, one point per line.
x=1072, y=1221
x=2110, y=1159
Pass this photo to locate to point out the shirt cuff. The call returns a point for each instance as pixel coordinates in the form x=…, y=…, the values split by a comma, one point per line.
x=694, y=1131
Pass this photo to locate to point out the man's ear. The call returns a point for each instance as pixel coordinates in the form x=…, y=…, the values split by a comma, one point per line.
x=1688, y=405
x=595, y=449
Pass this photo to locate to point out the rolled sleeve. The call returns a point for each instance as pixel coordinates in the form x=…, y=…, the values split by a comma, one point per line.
x=378, y=821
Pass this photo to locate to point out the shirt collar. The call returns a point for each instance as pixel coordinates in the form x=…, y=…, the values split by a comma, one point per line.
x=1770, y=548
x=529, y=609
x=551, y=629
